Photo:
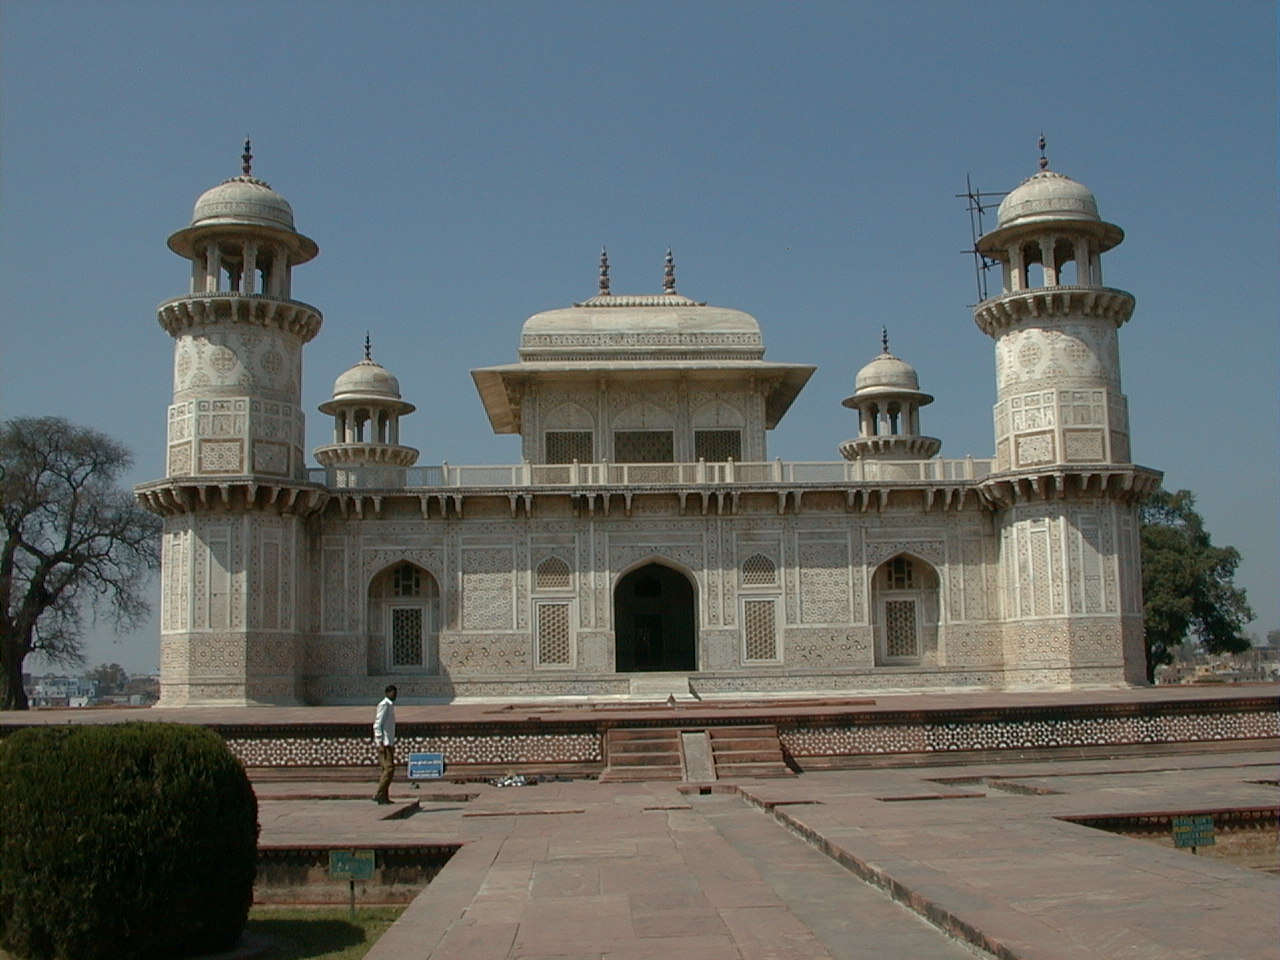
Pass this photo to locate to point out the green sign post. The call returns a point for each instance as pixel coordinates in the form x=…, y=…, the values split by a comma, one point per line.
x=1193, y=831
x=351, y=865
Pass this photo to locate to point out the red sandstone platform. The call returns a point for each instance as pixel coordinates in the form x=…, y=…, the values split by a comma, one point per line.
x=984, y=855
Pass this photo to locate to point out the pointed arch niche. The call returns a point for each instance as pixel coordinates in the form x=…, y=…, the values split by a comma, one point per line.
x=655, y=621
x=904, y=604
x=404, y=621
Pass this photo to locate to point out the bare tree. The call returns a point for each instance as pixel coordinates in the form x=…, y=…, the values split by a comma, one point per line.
x=74, y=542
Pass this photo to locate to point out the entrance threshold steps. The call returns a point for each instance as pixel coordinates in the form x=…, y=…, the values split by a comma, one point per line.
x=696, y=754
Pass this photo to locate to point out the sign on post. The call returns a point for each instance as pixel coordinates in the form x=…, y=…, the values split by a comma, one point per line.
x=1193, y=831
x=351, y=864
x=426, y=766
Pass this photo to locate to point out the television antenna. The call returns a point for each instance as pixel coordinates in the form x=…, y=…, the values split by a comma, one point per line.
x=978, y=203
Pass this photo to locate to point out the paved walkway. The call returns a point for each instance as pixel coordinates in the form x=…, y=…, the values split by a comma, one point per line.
x=576, y=870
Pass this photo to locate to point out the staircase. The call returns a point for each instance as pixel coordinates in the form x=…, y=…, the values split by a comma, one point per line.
x=646, y=754
x=753, y=751
x=670, y=753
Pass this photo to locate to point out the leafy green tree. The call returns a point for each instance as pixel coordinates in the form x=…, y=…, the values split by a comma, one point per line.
x=74, y=542
x=1187, y=582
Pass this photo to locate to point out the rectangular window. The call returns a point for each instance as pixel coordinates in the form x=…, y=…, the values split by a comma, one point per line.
x=555, y=647
x=406, y=636
x=717, y=446
x=566, y=446
x=900, y=633
x=644, y=446
x=759, y=630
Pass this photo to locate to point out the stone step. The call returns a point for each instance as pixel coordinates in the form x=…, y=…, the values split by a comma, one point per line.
x=645, y=736
x=778, y=769
x=644, y=746
x=670, y=758
x=748, y=756
x=747, y=743
x=748, y=730
x=640, y=774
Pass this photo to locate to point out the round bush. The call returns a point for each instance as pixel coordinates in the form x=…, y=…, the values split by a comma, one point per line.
x=134, y=840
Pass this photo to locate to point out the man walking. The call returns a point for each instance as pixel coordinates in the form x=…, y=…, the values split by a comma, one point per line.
x=384, y=738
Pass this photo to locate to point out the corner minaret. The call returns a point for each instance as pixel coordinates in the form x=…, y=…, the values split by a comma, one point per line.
x=1064, y=493
x=238, y=336
x=1054, y=324
x=235, y=496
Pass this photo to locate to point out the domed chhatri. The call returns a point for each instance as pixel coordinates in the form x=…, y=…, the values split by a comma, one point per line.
x=366, y=410
x=243, y=205
x=886, y=373
x=242, y=199
x=691, y=371
x=1052, y=221
x=367, y=380
x=1047, y=195
x=888, y=399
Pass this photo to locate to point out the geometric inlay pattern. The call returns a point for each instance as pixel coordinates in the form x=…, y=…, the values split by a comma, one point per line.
x=553, y=635
x=759, y=628
x=900, y=636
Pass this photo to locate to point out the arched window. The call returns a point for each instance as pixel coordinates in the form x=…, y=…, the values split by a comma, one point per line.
x=553, y=574
x=758, y=571
x=404, y=621
x=904, y=593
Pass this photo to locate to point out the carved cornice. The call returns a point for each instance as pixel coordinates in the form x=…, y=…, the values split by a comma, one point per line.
x=181, y=314
x=197, y=495
x=1124, y=483
x=997, y=314
x=912, y=447
x=356, y=453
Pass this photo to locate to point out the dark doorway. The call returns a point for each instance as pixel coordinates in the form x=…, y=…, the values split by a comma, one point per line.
x=655, y=621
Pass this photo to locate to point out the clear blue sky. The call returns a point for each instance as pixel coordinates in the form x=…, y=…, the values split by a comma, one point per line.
x=461, y=164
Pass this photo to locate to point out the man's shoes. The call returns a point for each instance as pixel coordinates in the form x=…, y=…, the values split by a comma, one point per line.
x=381, y=800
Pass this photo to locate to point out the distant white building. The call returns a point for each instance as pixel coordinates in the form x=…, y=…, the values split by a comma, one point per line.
x=646, y=542
x=54, y=690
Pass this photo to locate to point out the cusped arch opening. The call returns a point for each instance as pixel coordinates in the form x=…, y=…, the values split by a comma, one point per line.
x=655, y=619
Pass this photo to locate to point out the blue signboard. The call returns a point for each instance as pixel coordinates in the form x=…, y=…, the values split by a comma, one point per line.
x=351, y=864
x=1193, y=831
x=426, y=766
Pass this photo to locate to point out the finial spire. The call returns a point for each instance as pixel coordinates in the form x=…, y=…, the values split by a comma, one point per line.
x=669, y=274
x=368, y=346
x=1044, y=161
x=246, y=159
x=604, y=272
x=884, y=339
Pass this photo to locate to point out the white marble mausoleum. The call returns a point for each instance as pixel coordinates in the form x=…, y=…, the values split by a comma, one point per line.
x=645, y=544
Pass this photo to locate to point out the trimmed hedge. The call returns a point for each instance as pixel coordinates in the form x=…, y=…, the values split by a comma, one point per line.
x=127, y=841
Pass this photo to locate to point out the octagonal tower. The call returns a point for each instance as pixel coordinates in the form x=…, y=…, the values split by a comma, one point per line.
x=1064, y=491
x=235, y=492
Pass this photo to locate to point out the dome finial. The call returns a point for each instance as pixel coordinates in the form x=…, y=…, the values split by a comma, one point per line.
x=884, y=339
x=604, y=272
x=1044, y=161
x=368, y=346
x=246, y=159
x=669, y=274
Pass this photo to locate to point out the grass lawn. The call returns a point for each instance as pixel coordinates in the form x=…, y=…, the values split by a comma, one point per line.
x=320, y=933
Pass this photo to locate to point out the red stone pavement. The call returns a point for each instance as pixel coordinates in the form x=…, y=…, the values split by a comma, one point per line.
x=583, y=869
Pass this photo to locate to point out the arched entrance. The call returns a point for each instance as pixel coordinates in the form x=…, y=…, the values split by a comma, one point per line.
x=655, y=621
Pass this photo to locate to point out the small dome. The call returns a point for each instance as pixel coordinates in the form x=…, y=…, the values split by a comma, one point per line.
x=885, y=373
x=243, y=199
x=367, y=379
x=1047, y=195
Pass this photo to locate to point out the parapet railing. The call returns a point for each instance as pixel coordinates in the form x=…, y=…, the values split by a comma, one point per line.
x=701, y=473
